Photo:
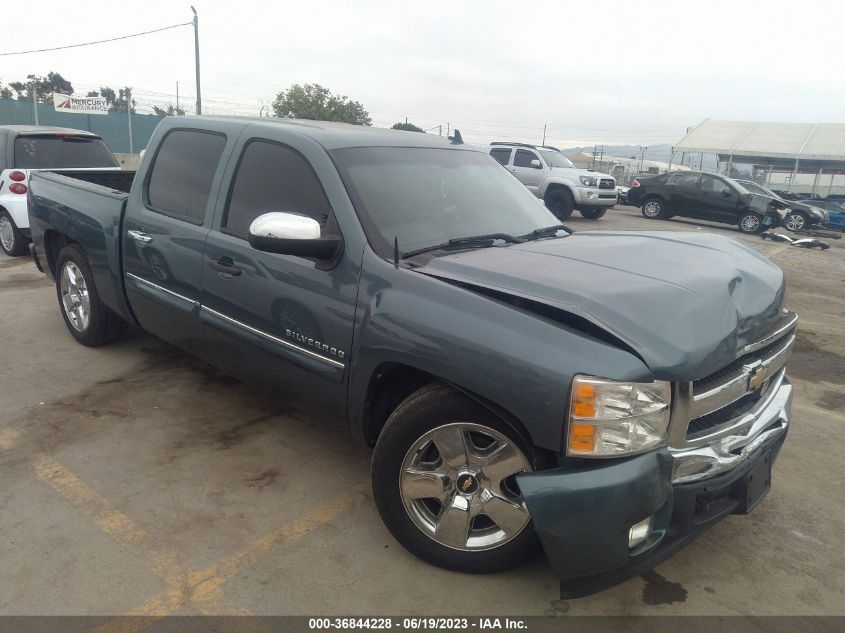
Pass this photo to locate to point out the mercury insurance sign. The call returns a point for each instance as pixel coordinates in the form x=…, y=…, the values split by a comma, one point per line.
x=81, y=105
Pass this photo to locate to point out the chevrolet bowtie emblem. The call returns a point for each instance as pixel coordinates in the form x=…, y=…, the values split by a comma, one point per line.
x=757, y=376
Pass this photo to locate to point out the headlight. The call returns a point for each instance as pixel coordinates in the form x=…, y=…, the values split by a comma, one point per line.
x=588, y=181
x=610, y=419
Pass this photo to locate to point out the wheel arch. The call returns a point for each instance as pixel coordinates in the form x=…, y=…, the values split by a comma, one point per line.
x=556, y=186
x=390, y=383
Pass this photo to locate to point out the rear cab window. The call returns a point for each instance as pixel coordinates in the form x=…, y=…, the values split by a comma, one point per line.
x=61, y=151
x=273, y=177
x=182, y=174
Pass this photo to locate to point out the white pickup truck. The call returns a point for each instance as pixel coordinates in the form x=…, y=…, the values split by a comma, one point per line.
x=28, y=148
x=553, y=178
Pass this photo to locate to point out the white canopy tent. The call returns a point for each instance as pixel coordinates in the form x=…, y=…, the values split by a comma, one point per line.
x=799, y=148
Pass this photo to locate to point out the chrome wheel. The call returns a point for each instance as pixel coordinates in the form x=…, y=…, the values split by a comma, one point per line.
x=75, y=300
x=795, y=222
x=7, y=234
x=457, y=485
x=750, y=223
x=651, y=209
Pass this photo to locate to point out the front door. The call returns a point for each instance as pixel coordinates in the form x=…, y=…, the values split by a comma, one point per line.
x=528, y=168
x=282, y=320
x=164, y=234
x=717, y=201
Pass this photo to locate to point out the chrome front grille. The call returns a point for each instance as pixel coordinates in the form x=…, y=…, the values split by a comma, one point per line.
x=607, y=183
x=727, y=399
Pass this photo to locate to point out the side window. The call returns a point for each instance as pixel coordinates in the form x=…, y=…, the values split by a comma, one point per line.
x=273, y=177
x=183, y=173
x=683, y=180
x=523, y=158
x=502, y=155
x=714, y=185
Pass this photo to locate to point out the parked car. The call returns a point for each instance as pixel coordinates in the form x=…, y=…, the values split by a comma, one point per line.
x=25, y=149
x=515, y=387
x=706, y=196
x=834, y=212
x=552, y=177
x=802, y=215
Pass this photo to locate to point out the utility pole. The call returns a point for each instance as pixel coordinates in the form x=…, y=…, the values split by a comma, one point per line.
x=643, y=148
x=129, y=118
x=34, y=90
x=447, y=130
x=544, y=133
x=197, y=57
x=440, y=130
x=177, y=97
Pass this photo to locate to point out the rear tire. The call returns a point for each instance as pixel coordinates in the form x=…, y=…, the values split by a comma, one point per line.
x=560, y=203
x=438, y=492
x=750, y=223
x=592, y=214
x=87, y=318
x=12, y=241
x=654, y=209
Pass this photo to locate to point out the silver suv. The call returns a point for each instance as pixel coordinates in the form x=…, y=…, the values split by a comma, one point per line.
x=553, y=178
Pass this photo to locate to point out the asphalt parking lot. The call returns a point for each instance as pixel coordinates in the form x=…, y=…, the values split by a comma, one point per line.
x=136, y=480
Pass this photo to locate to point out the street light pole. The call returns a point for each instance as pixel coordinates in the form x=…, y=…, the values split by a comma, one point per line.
x=34, y=103
x=197, y=57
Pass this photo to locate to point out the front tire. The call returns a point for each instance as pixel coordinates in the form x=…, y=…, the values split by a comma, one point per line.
x=750, y=223
x=592, y=214
x=795, y=221
x=560, y=203
x=87, y=318
x=444, y=483
x=12, y=241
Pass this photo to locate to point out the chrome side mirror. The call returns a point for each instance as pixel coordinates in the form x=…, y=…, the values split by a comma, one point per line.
x=535, y=163
x=292, y=234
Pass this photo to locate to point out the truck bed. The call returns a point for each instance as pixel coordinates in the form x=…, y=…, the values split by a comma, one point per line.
x=85, y=207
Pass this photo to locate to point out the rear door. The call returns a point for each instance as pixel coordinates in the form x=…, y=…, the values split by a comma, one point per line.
x=681, y=193
x=282, y=320
x=164, y=232
x=528, y=174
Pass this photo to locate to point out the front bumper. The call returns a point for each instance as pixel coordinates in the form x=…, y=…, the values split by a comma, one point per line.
x=594, y=197
x=583, y=515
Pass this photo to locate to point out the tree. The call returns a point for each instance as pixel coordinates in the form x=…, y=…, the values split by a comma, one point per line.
x=408, y=127
x=312, y=101
x=168, y=111
x=5, y=92
x=44, y=87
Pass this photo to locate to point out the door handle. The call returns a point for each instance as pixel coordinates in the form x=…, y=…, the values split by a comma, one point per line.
x=225, y=265
x=139, y=236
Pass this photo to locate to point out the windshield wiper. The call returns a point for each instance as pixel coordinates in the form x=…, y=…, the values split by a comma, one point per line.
x=546, y=231
x=472, y=241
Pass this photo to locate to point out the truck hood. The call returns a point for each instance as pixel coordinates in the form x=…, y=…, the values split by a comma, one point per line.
x=574, y=172
x=685, y=303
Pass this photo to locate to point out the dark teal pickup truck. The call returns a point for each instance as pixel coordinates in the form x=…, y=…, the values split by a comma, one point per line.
x=607, y=394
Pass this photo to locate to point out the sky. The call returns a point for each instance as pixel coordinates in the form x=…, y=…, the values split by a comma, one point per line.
x=591, y=72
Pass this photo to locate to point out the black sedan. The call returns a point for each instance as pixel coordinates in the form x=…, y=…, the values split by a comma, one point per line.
x=801, y=215
x=704, y=196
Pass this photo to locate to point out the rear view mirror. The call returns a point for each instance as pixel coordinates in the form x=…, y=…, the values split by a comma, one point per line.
x=292, y=234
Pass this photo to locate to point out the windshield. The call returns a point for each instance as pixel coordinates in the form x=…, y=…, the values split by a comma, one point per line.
x=61, y=151
x=555, y=159
x=425, y=197
x=733, y=183
x=753, y=187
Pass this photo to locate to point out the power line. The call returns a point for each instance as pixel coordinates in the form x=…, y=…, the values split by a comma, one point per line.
x=112, y=39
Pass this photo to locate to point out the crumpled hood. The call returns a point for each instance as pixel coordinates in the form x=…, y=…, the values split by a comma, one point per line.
x=685, y=302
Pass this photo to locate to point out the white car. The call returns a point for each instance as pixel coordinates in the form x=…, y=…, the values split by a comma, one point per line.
x=28, y=148
x=555, y=180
